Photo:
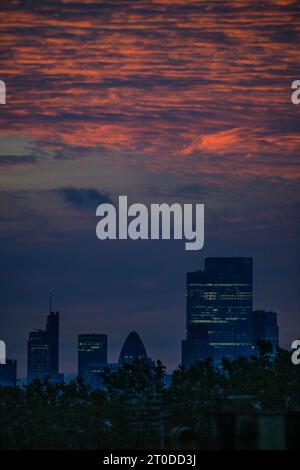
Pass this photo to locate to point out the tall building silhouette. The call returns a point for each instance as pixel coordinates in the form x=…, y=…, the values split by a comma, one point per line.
x=219, y=310
x=43, y=349
x=133, y=348
x=92, y=354
x=37, y=354
x=52, y=333
x=265, y=328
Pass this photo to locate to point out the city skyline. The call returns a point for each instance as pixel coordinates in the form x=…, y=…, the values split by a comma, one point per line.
x=222, y=291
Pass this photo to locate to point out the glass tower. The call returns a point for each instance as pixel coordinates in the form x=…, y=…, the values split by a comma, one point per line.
x=37, y=354
x=92, y=350
x=43, y=349
x=265, y=328
x=52, y=333
x=219, y=310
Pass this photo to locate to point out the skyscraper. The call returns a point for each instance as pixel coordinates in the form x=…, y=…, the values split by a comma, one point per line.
x=52, y=335
x=37, y=354
x=43, y=349
x=133, y=348
x=92, y=352
x=265, y=328
x=219, y=310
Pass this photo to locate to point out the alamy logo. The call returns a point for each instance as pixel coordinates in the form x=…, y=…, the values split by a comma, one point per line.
x=2, y=352
x=296, y=353
x=161, y=222
x=295, y=97
x=2, y=92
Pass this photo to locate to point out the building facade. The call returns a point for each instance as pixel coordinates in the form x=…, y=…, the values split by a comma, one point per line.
x=92, y=350
x=52, y=334
x=43, y=350
x=133, y=348
x=37, y=354
x=219, y=311
x=265, y=328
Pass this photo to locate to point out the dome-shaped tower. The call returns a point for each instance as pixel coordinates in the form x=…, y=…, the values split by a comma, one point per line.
x=133, y=348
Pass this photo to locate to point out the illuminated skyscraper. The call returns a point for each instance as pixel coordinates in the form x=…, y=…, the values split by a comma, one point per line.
x=219, y=310
x=37, y=354
x=92, y=353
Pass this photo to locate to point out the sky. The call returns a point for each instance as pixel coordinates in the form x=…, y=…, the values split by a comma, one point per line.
x=162, y=101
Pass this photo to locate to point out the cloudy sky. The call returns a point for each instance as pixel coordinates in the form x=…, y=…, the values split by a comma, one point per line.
x=164, y=101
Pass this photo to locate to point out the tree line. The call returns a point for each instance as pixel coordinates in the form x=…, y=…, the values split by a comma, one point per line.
x=137, y=410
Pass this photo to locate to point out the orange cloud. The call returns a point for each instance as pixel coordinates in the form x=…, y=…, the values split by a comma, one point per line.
x=159, y=79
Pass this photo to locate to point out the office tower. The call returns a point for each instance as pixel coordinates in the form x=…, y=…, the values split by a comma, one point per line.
x=219, y=310
x=43, y=350
x=197, y=346
x=265, y=328
x=92, y=350
x=52, y=335
x=8, y=373
x=37, y=354
x=132, y=349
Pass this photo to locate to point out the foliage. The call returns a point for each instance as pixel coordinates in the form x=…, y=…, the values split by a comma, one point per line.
x=135, y=407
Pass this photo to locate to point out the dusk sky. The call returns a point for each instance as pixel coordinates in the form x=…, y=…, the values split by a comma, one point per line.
x=164, y=101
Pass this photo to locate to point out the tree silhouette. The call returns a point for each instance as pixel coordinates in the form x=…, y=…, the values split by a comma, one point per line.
x=136, y=410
